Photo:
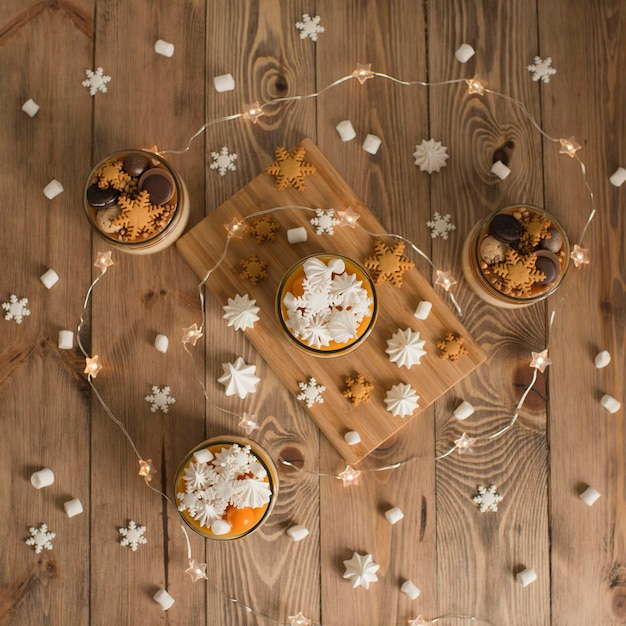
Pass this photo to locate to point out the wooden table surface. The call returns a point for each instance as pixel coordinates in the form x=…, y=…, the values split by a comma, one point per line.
x=463, y=561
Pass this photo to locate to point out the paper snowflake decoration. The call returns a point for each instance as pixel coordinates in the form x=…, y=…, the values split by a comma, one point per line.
x=96, y=81
x=430, y=155
x=241, y=312
x=311, y=392
x=325, y=221
x=440, y=225
x=310, y=27
x=40, y=538
x=361, y=569
x=16, y=309
x=132, y=535
x=542, y=69
x=487, y=499
x=160, y=399
x=223, y=161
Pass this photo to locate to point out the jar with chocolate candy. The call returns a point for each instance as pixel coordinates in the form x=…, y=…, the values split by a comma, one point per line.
x=136, y=201
x=516, y=256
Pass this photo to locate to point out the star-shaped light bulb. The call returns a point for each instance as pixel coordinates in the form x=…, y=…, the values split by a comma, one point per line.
x=569, y=147
x=253, y=112
x=192, y=334
x=580, y=256
x=349, y=476
x=146, y=469
x=418, y=621
x=464, y=444
x=348, y=217
x=248, y=422
x=363, y=72
x=540, y=360
x=104, y=261
x=445, y=279
x=152, y=149
x=235, y=228
x=196, y=571
x=299, y=620
x=92, y=366
x=475, y=85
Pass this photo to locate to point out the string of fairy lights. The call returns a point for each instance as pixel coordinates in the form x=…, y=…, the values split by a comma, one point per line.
x=464, y=444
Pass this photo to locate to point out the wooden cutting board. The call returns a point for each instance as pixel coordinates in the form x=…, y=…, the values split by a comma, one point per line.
x=203, y=245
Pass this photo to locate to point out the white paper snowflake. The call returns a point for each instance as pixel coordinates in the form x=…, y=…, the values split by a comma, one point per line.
x=132, y=535
x=487, y=499
x=16, y=308
x=96, y=81
x=310, y=27
x=40, y=538
x=542, y=69
x=440, y=225
x=325, y=221
x=223, y=161
x=430, y=155
x=311, y=392
x=160, y=399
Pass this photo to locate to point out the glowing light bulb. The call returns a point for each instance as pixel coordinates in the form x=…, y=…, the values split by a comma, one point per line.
x=464, y=444
x=299, y=620
x=235, y=228
x=363, y=72
x=540, y=360
x=104, y=260
x=445, y=279
x=196, y=571
x=569, y=147
x=146, y=469
x=191, y=334
x=580, y=256
x=348, y=217
x=349, y=476
x=475, y=85
x=253, y=112
x=92, y=366
x=418, y=621
x=248, y=423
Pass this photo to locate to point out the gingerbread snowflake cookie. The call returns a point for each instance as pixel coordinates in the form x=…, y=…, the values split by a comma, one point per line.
x=290, y=168
x=358, y=390
x=518, y=273
x=451, y=347
x=264, y=229
x=253, y=269
x=535, y=228
x=388, y=263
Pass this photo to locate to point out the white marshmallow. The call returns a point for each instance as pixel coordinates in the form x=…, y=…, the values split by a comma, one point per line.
x=53, y=189
x=589, y=495
x=372, y=143
x=161, y=343
x=602, y=359
x=220, y=527
x=346, y=130
x=203, y=456
x=610, y=403
x=49, y=278
x=164, y=48
x=500, y=170
x=352, y=438
x=66, y=339
x=526, y=577
x=297, y=532
x=394, y=515
x=258, y=470
x=463, y=411
x=73, y=507
x=163, y=599
x=618, y=177
x=410, y=588
x=464, y=53
x=30, y=107
x=43, y=478
x=225, y=82
x=297, y=235
x=423, y=310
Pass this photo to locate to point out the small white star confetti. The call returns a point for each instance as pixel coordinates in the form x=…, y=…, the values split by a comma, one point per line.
x=223, y=161
x=196, y=571
x=248, y=422
x=540, y=360
x=132, y=535
x=160, y=399
x=191, y=334
x=40, y=538
x=310, y=27
x=92, y=366
x=580, y=256
x=96, y=81
x=444, y=279
x=464, y=444
x=569, y=147
x=542, y=69
x=440, y=225
x=104, y=260
x=349, y=476
x=311, y=392
x=487, y=499
x=299, y=620
x=16, y=308
x=325, y=221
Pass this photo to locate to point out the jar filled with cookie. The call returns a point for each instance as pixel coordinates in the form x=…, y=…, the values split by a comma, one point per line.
x=136, y=201
x=517, y=256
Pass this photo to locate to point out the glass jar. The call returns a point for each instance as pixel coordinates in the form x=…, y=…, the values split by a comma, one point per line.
x=136, y=202
x=516, y=256
x=327, y=305
x=226, y=488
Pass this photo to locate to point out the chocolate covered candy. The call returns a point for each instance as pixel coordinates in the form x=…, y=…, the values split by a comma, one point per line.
x=135, y=164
